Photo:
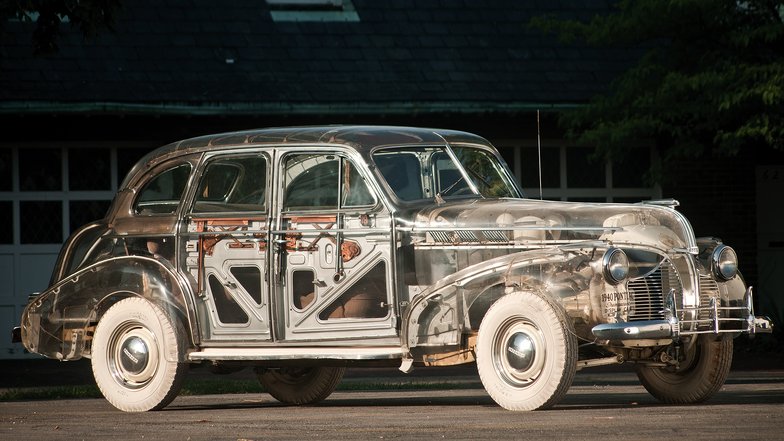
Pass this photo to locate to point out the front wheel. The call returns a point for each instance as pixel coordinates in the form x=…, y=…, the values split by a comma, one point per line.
x=300, y=385
x=526, y=352
x=700, y=374
x=135, y=356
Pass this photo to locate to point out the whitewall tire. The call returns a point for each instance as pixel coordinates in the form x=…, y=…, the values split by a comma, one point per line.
x=136, y=356
x=526, y=352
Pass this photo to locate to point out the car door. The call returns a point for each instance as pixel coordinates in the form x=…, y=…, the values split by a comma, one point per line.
x=332, y=258
x=226, y=248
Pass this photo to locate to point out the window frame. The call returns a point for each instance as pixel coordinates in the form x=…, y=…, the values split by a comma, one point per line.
x=222, y=156
x=342, y=158
x=165, y=168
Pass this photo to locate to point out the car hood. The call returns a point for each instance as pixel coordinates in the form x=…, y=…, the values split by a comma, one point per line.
x=527, y=220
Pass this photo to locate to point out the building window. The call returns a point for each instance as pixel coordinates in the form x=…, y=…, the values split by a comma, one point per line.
x=582, y=170
x=551, y=168
x=312, y=10
x=7, y=220
x=46, y=193
x=630, y=171
x=89, y=169
x=41, y=222
x=83, y=212
x=6, y=170
x=571, y=174
x=41, y=169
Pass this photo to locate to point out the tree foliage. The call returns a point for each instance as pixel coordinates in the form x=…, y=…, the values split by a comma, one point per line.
x=709, y=79
x=89, y=16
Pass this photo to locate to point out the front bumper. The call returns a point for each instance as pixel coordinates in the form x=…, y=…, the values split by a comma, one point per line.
x=720, y=320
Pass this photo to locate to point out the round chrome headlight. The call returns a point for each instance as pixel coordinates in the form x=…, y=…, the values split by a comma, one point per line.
x=616, y=265
x=724, y=262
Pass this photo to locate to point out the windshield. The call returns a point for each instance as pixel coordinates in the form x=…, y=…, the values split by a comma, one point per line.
x=427, y=172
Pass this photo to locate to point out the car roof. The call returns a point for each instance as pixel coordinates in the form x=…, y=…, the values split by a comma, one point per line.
x=359, y=137
x=362, y=138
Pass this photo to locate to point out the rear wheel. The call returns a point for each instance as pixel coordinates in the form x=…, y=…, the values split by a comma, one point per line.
x=300, y=385
x=135, y=356
x=526, y=352
x=701, y=372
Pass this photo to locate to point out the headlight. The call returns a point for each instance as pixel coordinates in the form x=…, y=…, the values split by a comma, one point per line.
x=616, y=265
x=724, y=262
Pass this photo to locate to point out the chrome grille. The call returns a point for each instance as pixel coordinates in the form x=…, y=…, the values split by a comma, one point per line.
x=709, y=288
x=468, y=236
x=646, y=294
x=496, y=236
x=441, y=236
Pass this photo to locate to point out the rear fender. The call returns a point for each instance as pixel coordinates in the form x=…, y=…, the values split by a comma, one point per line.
x=59, y=322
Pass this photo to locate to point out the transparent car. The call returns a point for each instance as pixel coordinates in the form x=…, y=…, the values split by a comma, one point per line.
x=299, y=252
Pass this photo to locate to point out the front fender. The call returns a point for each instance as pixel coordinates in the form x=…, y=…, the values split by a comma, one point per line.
x=455, y=305
x=60, y=321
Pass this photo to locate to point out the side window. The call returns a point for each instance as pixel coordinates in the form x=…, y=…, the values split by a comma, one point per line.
x=355, y=192
x=162, y=194
x=233, y=184
x=311, y=182
x=449, y=180
x=323, y=182
x=403, y=173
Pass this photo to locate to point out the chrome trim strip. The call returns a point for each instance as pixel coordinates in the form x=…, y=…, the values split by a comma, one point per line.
x=691, y=239
x=425, y=229
x=647, y=329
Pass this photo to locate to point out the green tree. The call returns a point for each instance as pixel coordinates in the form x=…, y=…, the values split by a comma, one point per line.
x=709, y=79
x=89, y=16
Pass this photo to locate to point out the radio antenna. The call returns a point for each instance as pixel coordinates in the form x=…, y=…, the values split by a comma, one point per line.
x=539, y=151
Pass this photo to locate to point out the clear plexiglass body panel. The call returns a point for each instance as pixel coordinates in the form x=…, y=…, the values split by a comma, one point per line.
x=366, y=244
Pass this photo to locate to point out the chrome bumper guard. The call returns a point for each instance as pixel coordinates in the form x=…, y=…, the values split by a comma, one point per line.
x=672, y=327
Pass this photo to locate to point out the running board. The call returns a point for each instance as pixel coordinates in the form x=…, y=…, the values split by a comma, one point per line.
x=299, y=353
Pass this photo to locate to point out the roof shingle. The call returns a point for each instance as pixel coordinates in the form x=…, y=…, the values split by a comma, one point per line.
x=182, y=54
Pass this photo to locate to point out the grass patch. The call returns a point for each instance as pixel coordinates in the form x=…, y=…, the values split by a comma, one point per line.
x=213, y=387
x=50, y=393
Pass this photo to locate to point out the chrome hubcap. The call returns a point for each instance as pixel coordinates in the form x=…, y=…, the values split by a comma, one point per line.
x=133, y=356
x=519, y=352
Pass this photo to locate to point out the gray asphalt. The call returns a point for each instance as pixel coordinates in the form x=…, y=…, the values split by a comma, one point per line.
x=599, y=406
